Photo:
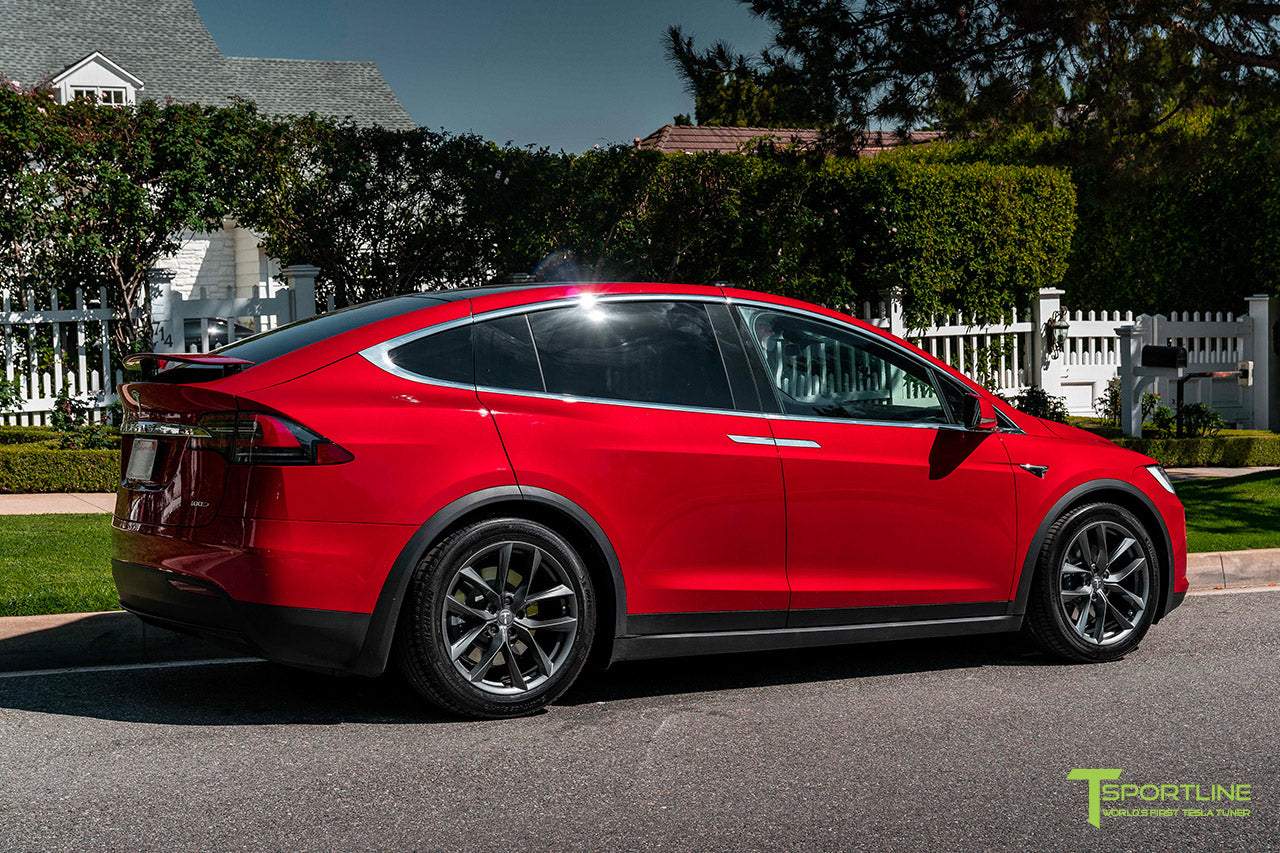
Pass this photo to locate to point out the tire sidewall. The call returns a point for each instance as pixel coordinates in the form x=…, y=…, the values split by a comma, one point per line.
x=1047, y=580
x=427, y=645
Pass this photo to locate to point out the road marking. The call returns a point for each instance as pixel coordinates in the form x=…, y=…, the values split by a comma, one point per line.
x=123, y=667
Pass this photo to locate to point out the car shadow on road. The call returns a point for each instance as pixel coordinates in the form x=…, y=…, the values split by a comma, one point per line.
x=255, y=692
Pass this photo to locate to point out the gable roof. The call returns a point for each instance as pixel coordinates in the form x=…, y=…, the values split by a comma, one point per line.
x=104, y=62
x=694, y=139
x=165, y=43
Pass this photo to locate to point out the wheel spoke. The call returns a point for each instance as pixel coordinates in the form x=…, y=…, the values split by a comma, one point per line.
x=1126, y=571
x=513, y=666
x=471, y=575
x=504, y=568
x=533, y=569
x=1124, y=622
x=1128, y=596
x=545, y=666
x=482, y=668
x=559, y=623
x=457, y=607
x=1071, y=568
x=1086, y=549
x=1076, y=593
x=1083, y=619
x=1100, y=624
x=1124, y=546
x=459, y=648
x=558, y=591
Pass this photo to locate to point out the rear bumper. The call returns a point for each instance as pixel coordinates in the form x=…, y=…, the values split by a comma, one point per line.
x=331, y=641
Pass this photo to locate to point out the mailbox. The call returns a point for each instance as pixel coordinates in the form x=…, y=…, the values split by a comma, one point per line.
x=1172, y=357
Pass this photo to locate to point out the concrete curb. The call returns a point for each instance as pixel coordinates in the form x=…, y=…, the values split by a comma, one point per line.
x=1234, y=569
x=92, y=639
x=97, y=639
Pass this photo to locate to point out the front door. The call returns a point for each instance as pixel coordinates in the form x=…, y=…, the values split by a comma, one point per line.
x=890, y=502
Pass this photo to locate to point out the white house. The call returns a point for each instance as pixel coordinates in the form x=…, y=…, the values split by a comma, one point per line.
x=124, y=51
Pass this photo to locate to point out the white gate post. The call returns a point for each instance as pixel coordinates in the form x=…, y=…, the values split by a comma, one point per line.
x=896, y=324
x=1047, y=365
x=302, y=289
x=1130, y=387
x=1264, y=311
x=165, y=306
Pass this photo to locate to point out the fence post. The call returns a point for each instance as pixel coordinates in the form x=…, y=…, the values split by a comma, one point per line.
x=302, y=289
x=896, y=324
x=164, y=313
x=1130, y=389
x=1264, y=311
x=1047, y=365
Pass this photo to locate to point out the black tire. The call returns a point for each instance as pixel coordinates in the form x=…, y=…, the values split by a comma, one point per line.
x=1054, y=594
x=425, y=634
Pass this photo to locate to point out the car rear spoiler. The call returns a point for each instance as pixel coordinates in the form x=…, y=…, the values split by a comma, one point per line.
x=152, y=363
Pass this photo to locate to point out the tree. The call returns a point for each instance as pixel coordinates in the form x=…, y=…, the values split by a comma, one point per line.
x=728, y=89
x=1102, y=69
x=96, y=195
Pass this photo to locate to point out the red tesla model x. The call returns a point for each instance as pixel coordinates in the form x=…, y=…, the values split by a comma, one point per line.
x=484, y=486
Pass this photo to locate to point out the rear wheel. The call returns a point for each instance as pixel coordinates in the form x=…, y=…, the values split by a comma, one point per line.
x=498, y=620
x=1096, y=585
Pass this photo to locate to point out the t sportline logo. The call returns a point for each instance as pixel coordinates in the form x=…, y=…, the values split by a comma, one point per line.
x=1174, y=800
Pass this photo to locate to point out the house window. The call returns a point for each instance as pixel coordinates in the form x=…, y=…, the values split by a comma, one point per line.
x=103, y=95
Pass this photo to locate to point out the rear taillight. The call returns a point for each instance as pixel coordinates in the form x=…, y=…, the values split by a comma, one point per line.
x=257, y=438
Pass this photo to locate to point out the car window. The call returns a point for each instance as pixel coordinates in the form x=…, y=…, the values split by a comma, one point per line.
x=505, y=357
x=822, y=369
x=442, y=355
x=648, y=352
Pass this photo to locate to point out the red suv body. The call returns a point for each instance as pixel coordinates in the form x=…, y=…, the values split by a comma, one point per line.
x=709, y=469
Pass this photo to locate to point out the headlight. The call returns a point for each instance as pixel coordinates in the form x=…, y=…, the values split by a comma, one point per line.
x=1162, y=478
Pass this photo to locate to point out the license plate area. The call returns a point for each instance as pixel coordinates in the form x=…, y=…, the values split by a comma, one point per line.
x=142, y=461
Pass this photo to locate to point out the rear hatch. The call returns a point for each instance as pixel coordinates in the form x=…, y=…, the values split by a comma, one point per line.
x=172, y=473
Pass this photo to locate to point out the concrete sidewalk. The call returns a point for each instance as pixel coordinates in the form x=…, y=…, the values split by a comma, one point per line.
x=1180, y=474
x=59, y=504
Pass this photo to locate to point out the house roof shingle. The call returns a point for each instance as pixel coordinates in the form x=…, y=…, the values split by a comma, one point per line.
x=694, y=139
x=166, y=45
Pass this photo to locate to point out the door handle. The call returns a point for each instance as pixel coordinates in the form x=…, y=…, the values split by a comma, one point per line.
x=778, y=442
x=750, y=439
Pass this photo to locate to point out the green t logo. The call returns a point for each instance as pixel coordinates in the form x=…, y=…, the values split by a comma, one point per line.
x=1095, y=778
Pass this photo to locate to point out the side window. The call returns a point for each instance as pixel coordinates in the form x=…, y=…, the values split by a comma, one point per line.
x=647, y=352
x=821, y=369
x=444, y=355
x=505, y=357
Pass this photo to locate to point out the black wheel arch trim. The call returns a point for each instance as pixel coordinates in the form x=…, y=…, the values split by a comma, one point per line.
x=1074, y=496
x=382, y=625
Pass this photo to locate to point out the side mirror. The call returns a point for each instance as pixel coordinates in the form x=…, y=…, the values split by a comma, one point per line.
x=979, y=414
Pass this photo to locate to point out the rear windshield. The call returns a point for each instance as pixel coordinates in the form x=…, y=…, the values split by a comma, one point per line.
x=295, y=336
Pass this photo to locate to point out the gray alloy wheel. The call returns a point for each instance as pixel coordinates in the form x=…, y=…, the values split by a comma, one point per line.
x=498, y=619
x=510, y=615
x=1104, y=583
x=1096, y=585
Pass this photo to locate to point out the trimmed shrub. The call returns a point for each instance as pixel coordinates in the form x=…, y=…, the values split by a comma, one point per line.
x=26, y=468
x=26, y=434
x=1227, y=451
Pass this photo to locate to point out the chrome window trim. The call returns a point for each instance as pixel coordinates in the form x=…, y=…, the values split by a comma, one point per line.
x=379, y=356
x=164, y=428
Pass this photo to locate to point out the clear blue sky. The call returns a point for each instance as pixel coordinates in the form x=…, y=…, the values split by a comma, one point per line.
x=563, y=73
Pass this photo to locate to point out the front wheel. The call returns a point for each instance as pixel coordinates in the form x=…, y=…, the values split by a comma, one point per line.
x=1096, y=585
x=498, y=620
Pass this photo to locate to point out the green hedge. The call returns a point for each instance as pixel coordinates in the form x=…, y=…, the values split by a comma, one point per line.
x=26, y=434
x=26, y=468
x=1227, y=451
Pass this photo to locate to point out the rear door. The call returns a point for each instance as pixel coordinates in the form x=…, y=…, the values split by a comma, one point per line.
x=625, y=407
x=890, y=503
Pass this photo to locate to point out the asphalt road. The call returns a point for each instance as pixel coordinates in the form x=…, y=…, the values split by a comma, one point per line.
x=929, y=745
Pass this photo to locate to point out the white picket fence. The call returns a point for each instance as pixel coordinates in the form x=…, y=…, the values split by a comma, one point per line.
x=72, y=345
x=71, y=348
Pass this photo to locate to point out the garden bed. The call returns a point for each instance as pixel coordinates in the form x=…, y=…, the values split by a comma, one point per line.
x=1229, y=448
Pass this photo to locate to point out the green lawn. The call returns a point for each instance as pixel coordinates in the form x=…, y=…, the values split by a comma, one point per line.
x=1232, y=513
x=55, y=564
